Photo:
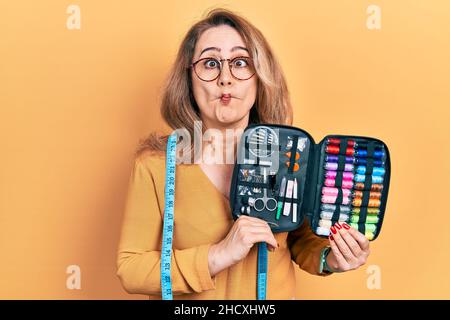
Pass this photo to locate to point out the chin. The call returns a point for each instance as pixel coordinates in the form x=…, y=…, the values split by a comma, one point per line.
x=227, y=120
x=225, y=116
x=230, y=118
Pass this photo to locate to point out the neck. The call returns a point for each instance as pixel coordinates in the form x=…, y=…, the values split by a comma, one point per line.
x=220, y=144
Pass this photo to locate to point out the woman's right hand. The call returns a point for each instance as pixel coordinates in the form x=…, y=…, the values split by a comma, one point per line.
x=245, y=232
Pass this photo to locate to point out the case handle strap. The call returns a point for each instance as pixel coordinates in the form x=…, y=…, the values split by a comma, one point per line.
x=368, y=182
x=369, y=166
x=363, y=210
x=362, y=218
x=337, y=211
x=338, y=179
x=362, y=227
x=342, y=153
x=370, y=154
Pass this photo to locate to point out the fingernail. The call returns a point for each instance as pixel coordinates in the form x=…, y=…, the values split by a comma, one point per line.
x=331, y=238
x=338, y=226
x=333, y=229
x=346, y=226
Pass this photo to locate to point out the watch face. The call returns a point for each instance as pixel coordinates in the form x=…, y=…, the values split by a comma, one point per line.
x=325, y=266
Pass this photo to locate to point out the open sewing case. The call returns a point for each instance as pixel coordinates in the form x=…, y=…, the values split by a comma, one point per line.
x=282, y=176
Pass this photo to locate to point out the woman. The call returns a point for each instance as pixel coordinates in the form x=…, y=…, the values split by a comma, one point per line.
x=226, y=76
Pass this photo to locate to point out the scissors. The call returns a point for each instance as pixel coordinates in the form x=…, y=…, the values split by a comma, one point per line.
x=265, y=202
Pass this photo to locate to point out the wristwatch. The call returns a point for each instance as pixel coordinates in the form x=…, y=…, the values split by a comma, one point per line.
x=324, y=267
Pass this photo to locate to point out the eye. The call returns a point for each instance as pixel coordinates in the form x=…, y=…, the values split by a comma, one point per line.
x=240, y=63
x=211, y=63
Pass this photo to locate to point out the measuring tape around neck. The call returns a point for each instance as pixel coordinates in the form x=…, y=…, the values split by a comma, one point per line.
x=262, y=270
x=169, y=203
x=167, y=237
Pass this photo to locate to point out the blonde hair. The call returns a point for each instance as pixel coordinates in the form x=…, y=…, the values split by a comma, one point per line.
x=178, y=106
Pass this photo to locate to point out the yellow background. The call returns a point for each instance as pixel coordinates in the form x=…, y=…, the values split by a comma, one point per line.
x=74, y=104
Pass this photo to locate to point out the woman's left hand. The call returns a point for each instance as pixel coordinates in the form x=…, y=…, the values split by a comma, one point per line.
x=349, y=248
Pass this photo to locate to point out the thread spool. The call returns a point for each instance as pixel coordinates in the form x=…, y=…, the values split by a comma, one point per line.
x=331, y=174
x=337, y=141
x=369, y=235
x=371, y=211
x=363, y=161
x=356, y=202
x=335, y=158
x=334, y=166
x=328, y=191
x=328, y=215
x=250, y=201
x=377, y=171
x=325, y=223
x=368, y=227
x=369, y=219
x=332, y=199
x=373, y=187
x=333, y=149
x=333, y=207
x=323, y=231
x=362, y=178
x=362, y=153
x=372, y=195
x=346, y=184
x=245, y=210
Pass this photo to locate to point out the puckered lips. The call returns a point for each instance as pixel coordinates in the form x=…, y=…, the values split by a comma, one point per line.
x=225, y=98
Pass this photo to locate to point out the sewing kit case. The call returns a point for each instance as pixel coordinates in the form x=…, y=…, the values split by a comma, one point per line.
x=283, y=177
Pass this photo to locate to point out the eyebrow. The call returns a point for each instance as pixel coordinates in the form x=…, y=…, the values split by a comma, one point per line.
x=218, y=49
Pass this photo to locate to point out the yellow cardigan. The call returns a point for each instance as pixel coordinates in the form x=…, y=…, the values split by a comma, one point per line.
x=202, y=218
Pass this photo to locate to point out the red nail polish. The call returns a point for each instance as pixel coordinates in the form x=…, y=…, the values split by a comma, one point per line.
x=346, y=226
x=331, y=238
x=333, y=229
x=338, y=226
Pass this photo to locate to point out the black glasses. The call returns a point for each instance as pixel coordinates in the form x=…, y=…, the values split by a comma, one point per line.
x=209, y=69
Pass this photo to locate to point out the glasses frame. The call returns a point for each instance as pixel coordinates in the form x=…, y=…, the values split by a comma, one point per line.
x=230, y=61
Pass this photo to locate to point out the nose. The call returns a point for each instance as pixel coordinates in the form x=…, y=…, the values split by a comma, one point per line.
x=225, y=78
